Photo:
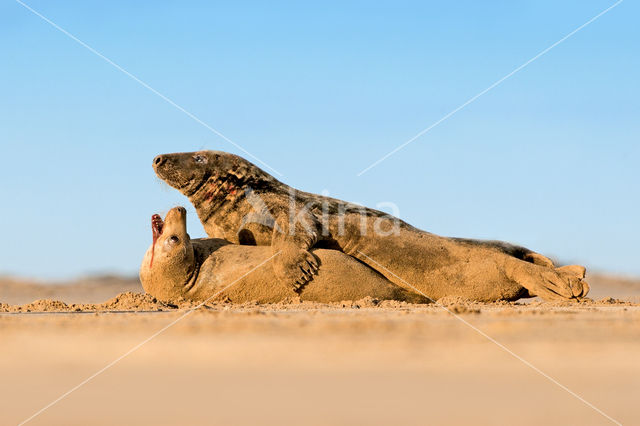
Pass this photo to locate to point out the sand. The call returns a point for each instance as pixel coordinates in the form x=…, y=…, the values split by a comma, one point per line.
x=360, y=362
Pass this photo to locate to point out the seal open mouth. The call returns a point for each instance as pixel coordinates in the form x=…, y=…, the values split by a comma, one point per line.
x=156, y=229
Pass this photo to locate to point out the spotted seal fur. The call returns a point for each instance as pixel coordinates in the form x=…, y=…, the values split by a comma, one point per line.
x=238, y=201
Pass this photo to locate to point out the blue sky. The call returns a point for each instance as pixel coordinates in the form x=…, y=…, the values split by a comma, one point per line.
x=319, y=91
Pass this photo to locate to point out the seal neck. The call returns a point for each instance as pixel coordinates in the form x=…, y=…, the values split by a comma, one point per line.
x=215, y=191
x=191, y=280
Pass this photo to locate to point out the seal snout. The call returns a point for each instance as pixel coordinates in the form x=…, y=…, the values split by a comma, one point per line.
x=176, y=215
x=159, y=160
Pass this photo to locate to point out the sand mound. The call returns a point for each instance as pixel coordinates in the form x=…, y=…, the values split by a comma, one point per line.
x=134, y=302
x=128, y=301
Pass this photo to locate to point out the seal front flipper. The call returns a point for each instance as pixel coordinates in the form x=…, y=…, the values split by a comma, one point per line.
x=293, y=264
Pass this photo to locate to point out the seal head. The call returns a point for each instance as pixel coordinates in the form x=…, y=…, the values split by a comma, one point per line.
x=215, y=174
x=170, y=263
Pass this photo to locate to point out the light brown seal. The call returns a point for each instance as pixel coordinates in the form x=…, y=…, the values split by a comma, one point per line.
x=240, y=202
x=177, y=267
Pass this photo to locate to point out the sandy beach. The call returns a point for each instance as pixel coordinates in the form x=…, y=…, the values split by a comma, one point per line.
x=241, y=153
x=302, y=363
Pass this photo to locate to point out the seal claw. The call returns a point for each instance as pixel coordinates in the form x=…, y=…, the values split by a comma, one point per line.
x=295, y=268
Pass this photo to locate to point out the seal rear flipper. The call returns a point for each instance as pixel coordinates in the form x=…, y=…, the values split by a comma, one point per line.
x=550, y=284
x=575, y=274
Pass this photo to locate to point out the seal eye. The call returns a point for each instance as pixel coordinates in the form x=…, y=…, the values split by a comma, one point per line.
x=174, y=239
x=199, y=159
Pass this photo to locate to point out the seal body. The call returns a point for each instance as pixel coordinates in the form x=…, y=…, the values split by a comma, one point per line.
x=238, y=201
x=213, y=269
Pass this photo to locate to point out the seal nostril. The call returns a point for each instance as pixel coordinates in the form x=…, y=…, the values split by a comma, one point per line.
x=159, y=160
